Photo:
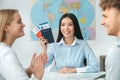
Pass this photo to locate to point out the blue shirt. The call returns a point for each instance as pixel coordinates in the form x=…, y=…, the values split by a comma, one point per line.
x=72, y=56
x=112, y=62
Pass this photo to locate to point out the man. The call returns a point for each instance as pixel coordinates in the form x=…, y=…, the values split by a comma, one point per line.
x=111, y=21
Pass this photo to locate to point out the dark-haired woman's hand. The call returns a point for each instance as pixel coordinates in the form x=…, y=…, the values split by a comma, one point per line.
x=67, y=70
x=43, y=43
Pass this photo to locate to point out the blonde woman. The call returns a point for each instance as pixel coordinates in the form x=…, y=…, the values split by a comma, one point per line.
x=11, y=28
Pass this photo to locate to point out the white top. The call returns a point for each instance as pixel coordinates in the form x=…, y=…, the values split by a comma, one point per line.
x=10, y=66
x=113, y=62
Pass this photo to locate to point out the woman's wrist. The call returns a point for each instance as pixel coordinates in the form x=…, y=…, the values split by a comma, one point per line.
x=37, y=77
x=29, y=72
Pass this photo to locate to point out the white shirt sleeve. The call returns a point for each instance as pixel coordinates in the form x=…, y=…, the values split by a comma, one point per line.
x=11, y=68
x=112, y=64
x=81, y=69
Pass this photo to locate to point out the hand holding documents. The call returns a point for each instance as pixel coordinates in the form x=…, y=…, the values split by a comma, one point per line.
x=44, y=30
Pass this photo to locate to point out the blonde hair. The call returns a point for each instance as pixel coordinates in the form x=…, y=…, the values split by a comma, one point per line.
x=6, y=17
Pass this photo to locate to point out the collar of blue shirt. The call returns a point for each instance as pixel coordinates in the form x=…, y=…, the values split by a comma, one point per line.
x=76, y=41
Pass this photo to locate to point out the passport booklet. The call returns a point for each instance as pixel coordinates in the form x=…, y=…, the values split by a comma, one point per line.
x=44, y=30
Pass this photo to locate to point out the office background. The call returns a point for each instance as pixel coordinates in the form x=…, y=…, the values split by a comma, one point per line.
x=25, y=48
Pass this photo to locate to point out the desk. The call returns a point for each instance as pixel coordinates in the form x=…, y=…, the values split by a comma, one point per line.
x=72, y=76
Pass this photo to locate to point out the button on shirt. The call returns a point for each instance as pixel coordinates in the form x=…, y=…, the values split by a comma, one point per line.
x=72, y=56
x=113, y=62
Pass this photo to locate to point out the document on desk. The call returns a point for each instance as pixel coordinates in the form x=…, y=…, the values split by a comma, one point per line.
x=72, y=76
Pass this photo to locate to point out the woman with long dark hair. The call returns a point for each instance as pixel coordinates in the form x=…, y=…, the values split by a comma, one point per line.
x=70, y=50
